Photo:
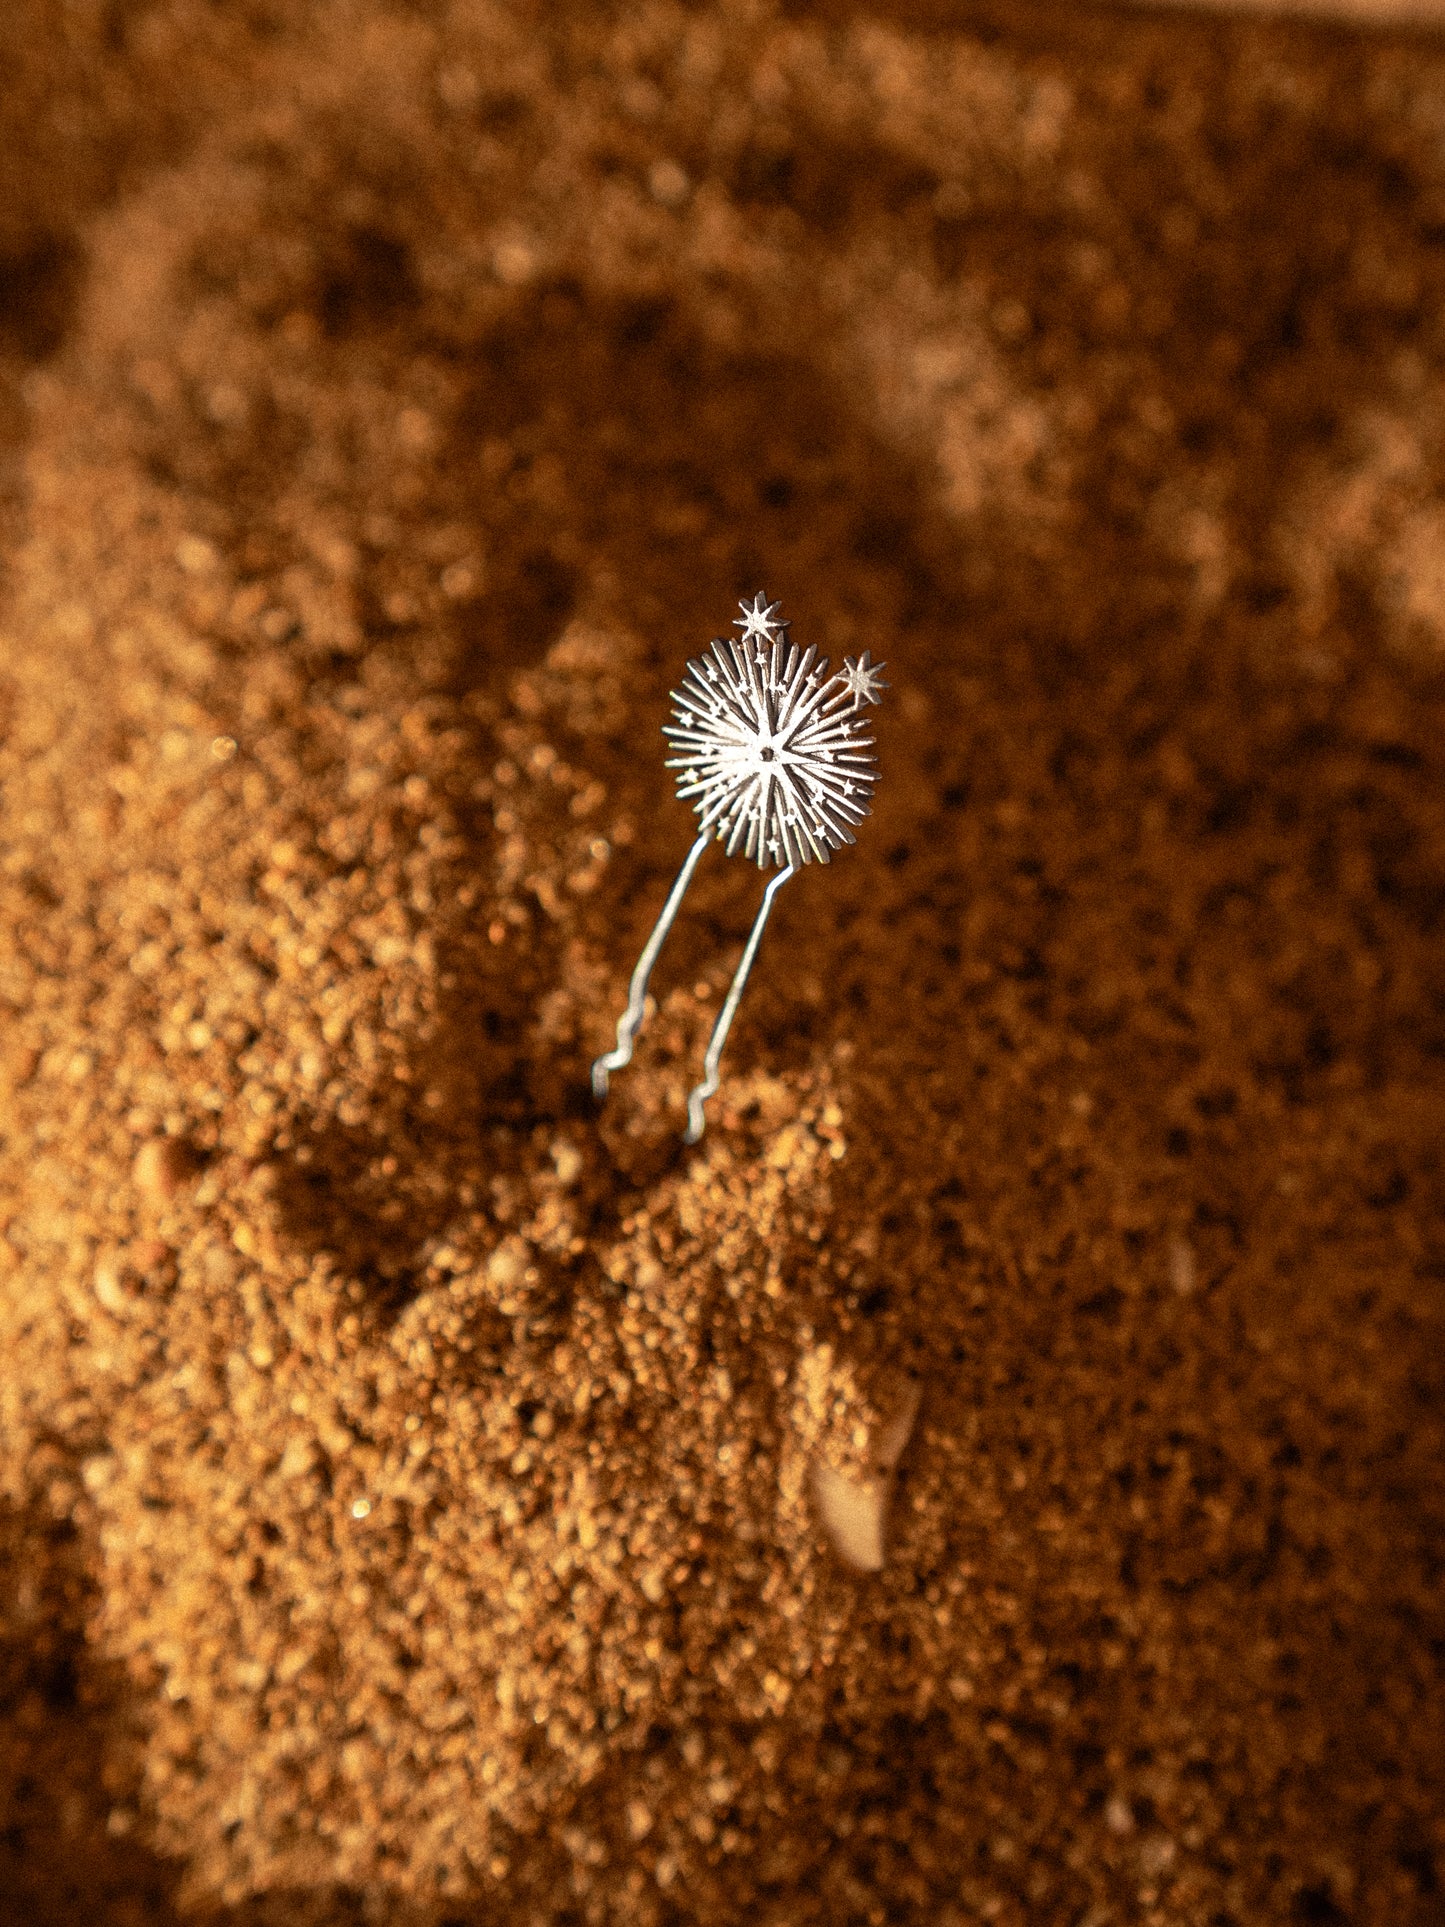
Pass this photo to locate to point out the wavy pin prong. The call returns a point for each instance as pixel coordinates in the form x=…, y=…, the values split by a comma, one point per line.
x=630, y=1022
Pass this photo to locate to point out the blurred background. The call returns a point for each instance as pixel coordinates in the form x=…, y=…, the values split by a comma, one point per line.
x=407, y=1476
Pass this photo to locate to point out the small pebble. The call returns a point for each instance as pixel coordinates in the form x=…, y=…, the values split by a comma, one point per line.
x=1182, y=1273
x=163, y=1166
x=567, y=1161
x=853, y=1511
x=668, y=183
x=109, y=1289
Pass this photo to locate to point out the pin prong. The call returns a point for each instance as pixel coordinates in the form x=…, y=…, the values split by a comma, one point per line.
x=630, y=1021
x=696, y=1123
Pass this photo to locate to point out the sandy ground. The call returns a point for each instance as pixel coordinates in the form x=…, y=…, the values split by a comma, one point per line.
x=1414, y=14
x=421, y=1486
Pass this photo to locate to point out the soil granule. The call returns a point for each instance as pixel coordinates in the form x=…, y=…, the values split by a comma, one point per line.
x=408, y=1467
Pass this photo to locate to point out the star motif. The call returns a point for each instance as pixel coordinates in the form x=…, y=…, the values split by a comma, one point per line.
x=864, y=678
x=759, y=621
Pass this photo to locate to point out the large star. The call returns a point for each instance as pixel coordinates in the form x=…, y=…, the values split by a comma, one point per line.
x=864, y=678
x=758, y=619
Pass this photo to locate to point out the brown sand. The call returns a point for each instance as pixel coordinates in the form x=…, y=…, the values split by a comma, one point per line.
x=406, y=1467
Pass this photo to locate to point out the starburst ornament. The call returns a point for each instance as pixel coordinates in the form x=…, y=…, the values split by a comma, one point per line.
x=777, y=761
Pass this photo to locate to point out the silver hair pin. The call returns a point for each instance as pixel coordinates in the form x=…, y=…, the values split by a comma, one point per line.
x=779, y=767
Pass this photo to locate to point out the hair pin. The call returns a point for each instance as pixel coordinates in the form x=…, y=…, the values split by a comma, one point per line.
x=779, y=768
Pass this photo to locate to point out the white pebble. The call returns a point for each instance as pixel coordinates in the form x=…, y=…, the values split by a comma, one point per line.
x=853, y=1511
x=1181, y=1266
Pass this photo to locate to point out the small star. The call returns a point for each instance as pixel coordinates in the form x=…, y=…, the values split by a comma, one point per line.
x=759, y=620
x=712, y=672
x=864, y=679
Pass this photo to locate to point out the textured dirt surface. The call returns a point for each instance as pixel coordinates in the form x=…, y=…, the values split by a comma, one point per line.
x=1373, y=13
x=407, y=1467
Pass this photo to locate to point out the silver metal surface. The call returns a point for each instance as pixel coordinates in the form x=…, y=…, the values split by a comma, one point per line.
x=778, y=765
x=770, y=748
x=702, y=1092
x=630, y=1021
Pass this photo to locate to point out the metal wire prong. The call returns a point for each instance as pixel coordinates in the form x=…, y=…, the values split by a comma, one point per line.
x=702, y=1092
x=630, y=1020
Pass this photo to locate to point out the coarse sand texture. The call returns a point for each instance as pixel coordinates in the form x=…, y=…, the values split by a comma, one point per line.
x=996, y=1474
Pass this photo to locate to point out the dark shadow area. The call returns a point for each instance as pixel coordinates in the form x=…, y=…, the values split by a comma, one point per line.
x=67, y=1791
x=40, y=281
x=72, y=1816
x=678, y=472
